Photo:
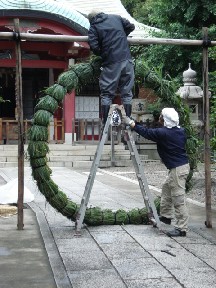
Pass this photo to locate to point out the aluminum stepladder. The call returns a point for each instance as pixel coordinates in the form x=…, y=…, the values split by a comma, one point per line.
x=139, y=169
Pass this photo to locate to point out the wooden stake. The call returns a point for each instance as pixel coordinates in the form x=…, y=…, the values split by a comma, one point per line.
x=207, y=152
x=19, y=106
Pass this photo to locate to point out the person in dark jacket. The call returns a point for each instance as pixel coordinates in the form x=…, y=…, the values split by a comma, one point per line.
x=108, y=39
x=171, y=141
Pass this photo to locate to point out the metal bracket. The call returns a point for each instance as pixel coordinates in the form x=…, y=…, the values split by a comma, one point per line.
x=206, y=43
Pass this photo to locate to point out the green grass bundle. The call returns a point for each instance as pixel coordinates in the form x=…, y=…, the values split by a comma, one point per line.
x=47, y=103
x=96, y=63
x=59, y=201
x=42, y=118
x=69, y=80
x=121, y=217
x=93, y=216
x=144, y=215
x=84, y=72
x=57, y=91
x=108, y=217
x=37, y=149
x=38, y=133
x=135, y=216
x=157, y=204
x=48, y=188
x=38, y=162
x=70, y=210
x=42, y=173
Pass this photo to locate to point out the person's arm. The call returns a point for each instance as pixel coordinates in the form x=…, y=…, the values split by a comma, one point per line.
x=155, y=134
x=128, y=27
x=94, y=41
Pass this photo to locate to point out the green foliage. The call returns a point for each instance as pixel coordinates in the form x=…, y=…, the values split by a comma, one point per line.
x=135, y=216
x=57, y=91
x=47, y=103
x=212, y=87
x=108, y=217
x=38, y=133
x=48, y=188
x=42, y=118
x=176, y=19
x=213, y=125
x=165, y=88
x=80, y=74
x=37, y=149
x=191, y=14
x=180, y=19
x=93, y=216
x=136, y=9
x=70, y=209
x=42, y=173
x=38, y=162
x=58, y=201
x=121, y=217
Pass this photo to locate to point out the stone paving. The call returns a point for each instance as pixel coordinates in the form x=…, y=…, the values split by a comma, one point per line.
x=132, y=256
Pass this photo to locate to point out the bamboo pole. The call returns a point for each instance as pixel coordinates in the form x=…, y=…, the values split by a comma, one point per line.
x=19, y=106
x=207, y=151
x=67, y=38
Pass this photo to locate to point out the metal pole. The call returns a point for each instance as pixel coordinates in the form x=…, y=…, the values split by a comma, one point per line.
x=19, y=106
x=207, y=152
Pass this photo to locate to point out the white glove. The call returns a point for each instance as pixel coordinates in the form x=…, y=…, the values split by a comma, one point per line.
x=128, y=121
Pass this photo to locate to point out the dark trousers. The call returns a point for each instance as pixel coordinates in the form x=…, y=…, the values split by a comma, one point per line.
x=117, y=75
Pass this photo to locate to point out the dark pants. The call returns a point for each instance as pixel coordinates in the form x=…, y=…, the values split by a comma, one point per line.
x=117, y=75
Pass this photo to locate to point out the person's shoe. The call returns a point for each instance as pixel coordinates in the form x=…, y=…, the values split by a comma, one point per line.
x=165, y=220
x=176, y=233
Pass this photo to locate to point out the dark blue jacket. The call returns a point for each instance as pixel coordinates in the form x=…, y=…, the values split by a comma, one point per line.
x=108, y=37
x=170, y=144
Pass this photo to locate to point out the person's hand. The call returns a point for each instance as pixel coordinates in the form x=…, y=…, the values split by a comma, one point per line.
x=128, y=121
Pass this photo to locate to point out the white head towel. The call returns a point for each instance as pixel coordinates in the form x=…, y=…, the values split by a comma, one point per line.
x=171, y=117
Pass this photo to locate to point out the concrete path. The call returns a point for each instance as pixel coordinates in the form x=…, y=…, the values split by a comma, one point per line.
x=132, y=256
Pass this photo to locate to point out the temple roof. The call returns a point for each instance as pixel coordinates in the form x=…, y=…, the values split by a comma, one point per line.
x=73, y=10
x=57, y=9
x=110, y=7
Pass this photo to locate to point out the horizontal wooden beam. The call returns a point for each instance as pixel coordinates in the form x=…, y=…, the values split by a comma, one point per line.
x=66, y=38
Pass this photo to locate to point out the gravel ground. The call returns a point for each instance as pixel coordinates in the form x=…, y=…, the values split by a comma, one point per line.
x=156, y=173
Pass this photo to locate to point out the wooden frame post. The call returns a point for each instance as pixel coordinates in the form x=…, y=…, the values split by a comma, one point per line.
x=19, y=105
x=207, y=151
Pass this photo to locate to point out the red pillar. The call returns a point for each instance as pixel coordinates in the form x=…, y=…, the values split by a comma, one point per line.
x=69, y=114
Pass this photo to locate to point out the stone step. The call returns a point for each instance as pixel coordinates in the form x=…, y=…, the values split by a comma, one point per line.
x=143, y=157
x=70, y=164
x=64, y=155
x=12, y=164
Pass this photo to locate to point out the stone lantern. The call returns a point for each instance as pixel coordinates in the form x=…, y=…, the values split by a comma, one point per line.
x=192, y=95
